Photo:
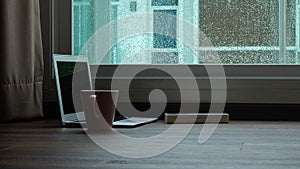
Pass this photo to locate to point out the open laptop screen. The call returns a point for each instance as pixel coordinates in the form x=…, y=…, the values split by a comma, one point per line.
x=69, y=90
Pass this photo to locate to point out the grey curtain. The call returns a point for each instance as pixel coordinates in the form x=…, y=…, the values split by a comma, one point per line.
x=21, y=60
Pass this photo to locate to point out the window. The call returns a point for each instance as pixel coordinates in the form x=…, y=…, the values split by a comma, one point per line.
x=254, y=40
x=240, y=32
x=247, y=32
x=162, y=27
x=83, y=23
x=160, y=46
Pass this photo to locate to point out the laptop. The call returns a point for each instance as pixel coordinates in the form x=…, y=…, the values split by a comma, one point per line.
x=65, y=66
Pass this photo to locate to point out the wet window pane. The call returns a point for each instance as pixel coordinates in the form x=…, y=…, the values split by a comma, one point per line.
x=165, y=58
x=251, y=26
x=291, y=22
x=165, y=26
x=83, y=23
x=240, y=23
x=239, y=32
x=164, y=2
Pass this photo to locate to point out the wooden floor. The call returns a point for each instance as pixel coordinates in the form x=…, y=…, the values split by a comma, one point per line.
x=255, y=145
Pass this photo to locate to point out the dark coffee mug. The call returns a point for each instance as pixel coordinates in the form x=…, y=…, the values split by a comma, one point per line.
x=99, y=108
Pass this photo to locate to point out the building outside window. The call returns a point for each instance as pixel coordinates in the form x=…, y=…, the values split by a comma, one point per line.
x=240, y=32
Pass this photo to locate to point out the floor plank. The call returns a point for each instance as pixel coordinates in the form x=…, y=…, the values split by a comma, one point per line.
x=45, y=144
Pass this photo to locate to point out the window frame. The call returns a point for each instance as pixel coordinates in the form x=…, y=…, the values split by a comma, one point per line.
x=255, y=74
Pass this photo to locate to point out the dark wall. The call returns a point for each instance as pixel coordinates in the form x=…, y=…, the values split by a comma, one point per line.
x=62, y=26
x=50, y=107
x=46, y=19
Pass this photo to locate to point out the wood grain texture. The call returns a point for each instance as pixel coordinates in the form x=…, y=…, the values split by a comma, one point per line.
x=257, y=145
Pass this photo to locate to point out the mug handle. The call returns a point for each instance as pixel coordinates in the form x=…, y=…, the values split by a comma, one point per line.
x=94, y=104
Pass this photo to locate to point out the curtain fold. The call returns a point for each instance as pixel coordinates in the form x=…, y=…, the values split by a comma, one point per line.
x=21, y=60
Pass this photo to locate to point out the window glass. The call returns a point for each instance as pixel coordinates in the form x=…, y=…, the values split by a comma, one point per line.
x=248, y=31
x=239, y=32
x=164, y=2
x=164, y=30
x=83, y=23
x=165, y=58
x=292, y=24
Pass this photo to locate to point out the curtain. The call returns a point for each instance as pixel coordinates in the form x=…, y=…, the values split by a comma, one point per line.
x=21, y=60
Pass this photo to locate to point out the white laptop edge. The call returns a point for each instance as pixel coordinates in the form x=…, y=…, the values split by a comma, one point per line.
x=68, y=118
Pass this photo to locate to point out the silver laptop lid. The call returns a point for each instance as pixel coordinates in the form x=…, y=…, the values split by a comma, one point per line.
x=67, y=67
